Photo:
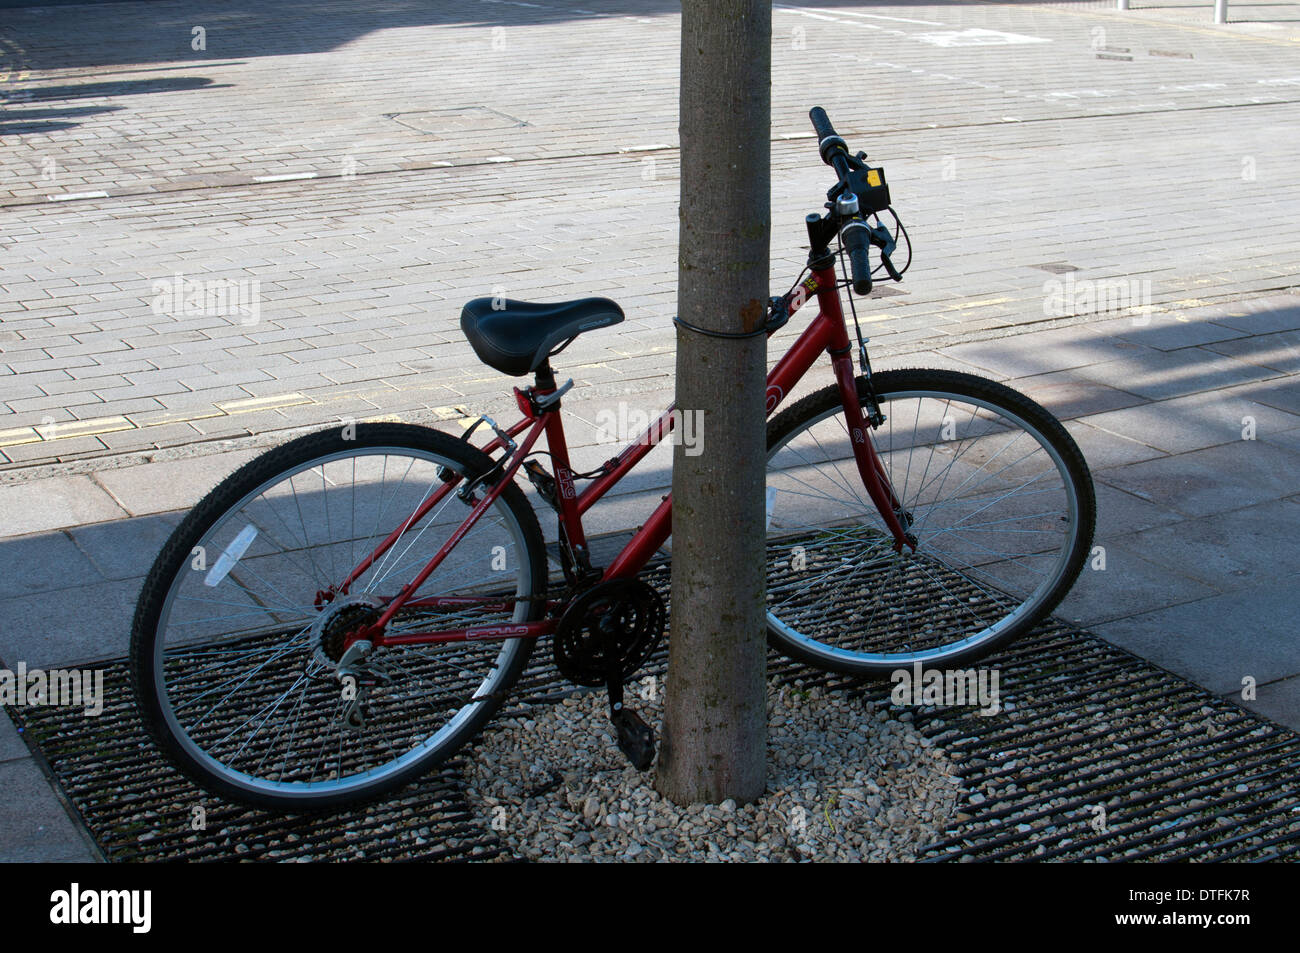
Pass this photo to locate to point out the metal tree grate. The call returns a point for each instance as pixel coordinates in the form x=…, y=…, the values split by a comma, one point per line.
x=1096, y=754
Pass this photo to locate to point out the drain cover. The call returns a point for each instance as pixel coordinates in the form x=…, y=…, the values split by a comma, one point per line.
x=1094, y=755
x=449, y=122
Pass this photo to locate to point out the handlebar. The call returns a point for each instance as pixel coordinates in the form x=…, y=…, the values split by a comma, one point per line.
x=833, y=149
x=856, y=237
x=855, y=234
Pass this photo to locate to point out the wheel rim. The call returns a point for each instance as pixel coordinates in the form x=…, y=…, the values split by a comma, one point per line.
x=881, y=610
x=258, y=707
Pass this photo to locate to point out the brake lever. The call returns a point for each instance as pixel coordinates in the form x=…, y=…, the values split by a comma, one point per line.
x=881, y=238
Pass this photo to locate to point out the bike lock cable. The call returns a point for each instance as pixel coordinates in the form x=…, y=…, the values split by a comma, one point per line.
x=775, y=306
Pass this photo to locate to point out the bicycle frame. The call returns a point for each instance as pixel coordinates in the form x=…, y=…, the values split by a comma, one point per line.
x=827, y=332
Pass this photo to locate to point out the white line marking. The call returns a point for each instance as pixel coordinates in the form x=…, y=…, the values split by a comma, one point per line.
x=287, y=177
x=73, y=196
x=878, y=16
x=974, y=37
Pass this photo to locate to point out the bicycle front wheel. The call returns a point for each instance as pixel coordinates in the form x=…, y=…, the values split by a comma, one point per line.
x=993, y=488
x=241, y=627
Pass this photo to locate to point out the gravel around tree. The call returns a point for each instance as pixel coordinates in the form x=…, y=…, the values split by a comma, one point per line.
x=848, y=780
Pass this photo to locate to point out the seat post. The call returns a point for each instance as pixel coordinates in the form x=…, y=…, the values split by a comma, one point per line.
x=545, y=381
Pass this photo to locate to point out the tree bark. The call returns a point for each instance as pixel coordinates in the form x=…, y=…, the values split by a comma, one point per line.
x=714, y=739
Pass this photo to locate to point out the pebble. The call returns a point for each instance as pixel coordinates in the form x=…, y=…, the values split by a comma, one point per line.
x=825, y=799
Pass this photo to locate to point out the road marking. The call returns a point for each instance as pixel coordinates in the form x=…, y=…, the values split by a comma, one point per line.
x=76, y=196
x=83, y=428
x=17, y=436
x=262, y=403
x=1190, y=87
x=977, y=37
x=983, y=302
x=879, y=16
x=286, y=177
x=832, y=19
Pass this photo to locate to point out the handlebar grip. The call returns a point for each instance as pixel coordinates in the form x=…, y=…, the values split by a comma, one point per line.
x=821, y=122
x=857, y=242
x=834, y=151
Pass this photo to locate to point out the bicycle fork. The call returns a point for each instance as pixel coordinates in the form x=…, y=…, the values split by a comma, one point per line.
x=872, y=471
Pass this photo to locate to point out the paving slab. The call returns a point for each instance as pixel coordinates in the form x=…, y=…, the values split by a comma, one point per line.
x=11, y=743
x=34, y=823
x=1055, y=350
x=1280, y=351
x=1129, y=585
x=1219, y=640
x=172, y=485
x=1279, y=701
x=1166, y=331
x=54, y=504
x=1264, y=315
x=1121, y=514
x=1280, y=394
x=1067, y=395
x=125, y=549
x=1102, y=449
x=1286, y=439
x=1216, y=480
x=1196, y=421
x=42, y=562
x=1241, y=549
x=80, y=624
x=1158, y=375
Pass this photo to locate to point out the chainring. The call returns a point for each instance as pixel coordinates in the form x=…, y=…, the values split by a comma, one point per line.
x=628, y=612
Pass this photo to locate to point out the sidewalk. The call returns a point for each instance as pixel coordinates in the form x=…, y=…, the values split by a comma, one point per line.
x=1042, y=156
x=1197, y=524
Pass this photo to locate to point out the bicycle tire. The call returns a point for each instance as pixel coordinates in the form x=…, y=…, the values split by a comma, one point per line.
x=845, y=630
x=259, y=490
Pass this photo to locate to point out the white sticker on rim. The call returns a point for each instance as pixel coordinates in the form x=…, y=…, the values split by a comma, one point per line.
x=233, y=553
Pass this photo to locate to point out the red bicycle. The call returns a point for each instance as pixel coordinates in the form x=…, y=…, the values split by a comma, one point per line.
x=347, y=610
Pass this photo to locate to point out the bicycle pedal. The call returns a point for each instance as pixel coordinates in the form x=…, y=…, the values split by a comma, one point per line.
x=636, y=739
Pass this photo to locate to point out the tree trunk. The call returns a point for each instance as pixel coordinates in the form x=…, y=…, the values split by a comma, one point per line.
x=714, y=743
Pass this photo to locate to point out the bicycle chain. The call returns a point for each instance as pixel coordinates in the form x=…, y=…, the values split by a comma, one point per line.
x=562, y=597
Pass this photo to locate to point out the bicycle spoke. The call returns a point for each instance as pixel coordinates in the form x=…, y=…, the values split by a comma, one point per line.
x=246, y=670
x=988, y=547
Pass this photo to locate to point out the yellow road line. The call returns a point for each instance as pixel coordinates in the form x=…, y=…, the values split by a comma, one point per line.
x=83, y=428
x=248, y=404
x=17, y=436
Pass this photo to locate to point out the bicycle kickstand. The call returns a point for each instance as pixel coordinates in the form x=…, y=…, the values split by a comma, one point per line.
x=636, y=739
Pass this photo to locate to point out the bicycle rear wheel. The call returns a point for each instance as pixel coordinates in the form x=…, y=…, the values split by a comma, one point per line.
x=998, y=496
x=237, y=635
